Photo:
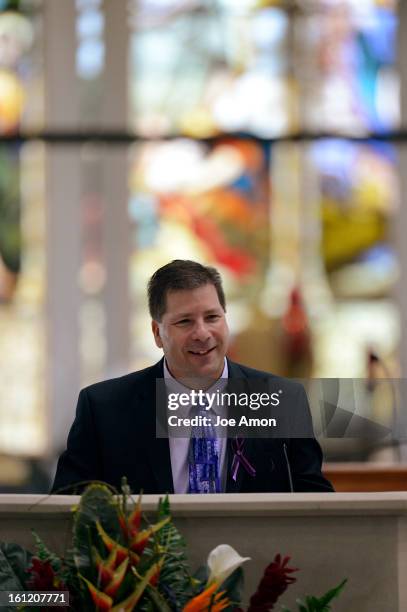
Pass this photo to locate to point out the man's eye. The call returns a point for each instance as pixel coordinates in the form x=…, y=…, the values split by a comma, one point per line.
x=182, y=322
x=213, y=317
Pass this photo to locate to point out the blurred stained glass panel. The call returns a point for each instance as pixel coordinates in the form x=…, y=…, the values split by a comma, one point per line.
x=200, y=68
x=346, y=70
x=204, y=68
x=22, y=239
x=203, y=202
x=268, y=68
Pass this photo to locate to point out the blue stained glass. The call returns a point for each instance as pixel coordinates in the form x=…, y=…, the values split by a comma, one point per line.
x=380, y=33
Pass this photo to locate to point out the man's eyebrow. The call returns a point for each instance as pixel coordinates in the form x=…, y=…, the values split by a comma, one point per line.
x=184, y=315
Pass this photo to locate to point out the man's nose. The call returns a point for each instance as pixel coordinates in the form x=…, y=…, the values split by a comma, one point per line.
x=200, y=331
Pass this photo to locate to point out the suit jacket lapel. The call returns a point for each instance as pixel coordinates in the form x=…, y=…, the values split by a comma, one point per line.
x=235, y=486
x=159, y=448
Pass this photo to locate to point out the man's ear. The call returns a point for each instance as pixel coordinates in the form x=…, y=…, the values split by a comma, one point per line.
x=156, y=333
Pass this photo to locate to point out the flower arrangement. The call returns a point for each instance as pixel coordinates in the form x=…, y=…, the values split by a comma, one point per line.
x=118, y=562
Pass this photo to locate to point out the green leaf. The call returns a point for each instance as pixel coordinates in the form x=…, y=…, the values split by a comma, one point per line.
x=233, y=587
x=312, y=603
x=126, y=494
x=45, y=554
x=175, y=583
x=97, y=504
x=158, y=601
x=14, y=560
x=132, y=600
x=332, y=593
x=163, y=508
x=201, y=574
x=320, y=604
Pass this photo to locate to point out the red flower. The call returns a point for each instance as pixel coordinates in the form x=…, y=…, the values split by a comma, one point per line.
x=275, y=581
x=42, y=576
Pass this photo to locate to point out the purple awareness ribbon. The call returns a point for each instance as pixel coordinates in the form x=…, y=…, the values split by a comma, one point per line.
x=239, y=458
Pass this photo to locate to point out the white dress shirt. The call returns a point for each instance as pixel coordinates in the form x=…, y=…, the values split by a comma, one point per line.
x=179, y=447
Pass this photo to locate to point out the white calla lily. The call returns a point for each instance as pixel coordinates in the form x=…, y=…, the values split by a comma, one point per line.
x=222, y=562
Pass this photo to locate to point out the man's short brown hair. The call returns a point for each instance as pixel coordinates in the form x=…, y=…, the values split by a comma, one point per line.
x=180, y=275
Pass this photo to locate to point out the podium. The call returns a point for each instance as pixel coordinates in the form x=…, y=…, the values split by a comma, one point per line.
x=362, y=537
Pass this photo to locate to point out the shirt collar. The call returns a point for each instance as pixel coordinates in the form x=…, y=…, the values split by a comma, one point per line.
x=174, y=386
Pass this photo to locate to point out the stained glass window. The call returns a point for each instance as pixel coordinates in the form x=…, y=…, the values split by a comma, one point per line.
x=317, y=247
x=201, y=68
x=301, y=231
x=203, y=202
x=23, y=415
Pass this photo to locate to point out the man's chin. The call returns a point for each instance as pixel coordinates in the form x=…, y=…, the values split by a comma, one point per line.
x=206, y=374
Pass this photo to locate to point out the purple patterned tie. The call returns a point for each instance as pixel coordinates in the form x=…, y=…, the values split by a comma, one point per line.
x=203, y=457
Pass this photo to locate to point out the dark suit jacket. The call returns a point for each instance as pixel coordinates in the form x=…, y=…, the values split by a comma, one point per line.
x=114, y=435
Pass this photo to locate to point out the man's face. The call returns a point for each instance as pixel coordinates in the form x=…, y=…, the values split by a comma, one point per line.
x=193, y=333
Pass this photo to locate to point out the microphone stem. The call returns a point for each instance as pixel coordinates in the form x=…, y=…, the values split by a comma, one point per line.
x=290, y=479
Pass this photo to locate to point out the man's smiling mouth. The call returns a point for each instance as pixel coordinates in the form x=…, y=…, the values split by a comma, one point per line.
x=202, y=352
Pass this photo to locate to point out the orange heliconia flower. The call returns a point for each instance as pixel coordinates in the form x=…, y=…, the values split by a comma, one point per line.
x=202, y=602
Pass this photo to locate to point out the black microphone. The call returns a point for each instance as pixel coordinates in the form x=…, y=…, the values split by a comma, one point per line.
x=290, y=478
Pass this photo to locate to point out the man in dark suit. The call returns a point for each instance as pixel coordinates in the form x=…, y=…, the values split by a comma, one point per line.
x=115, y=430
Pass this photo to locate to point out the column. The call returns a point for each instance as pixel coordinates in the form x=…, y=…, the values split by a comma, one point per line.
x=115, y=189
x=63, y=219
